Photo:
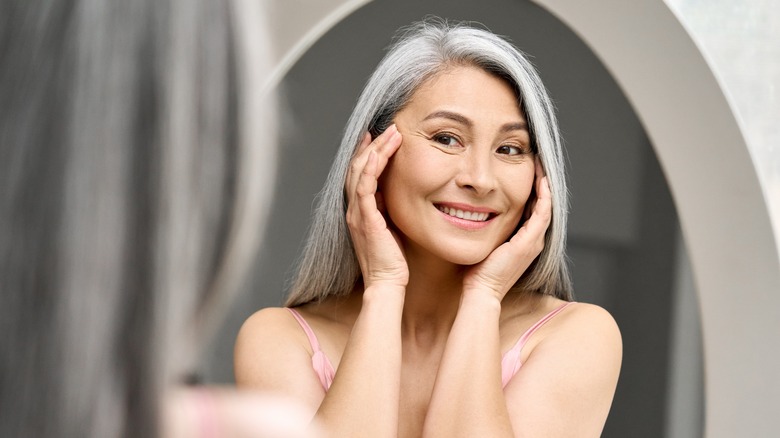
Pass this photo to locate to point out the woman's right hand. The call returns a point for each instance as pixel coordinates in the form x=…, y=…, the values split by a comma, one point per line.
x=377, y=248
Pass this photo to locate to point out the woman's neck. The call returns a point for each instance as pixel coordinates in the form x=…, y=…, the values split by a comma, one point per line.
x=432, y=297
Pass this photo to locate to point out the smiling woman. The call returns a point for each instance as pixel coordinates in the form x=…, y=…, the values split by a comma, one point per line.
x=433, y=296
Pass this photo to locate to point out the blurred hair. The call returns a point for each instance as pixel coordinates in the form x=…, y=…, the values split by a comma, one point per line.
x=127, y=204
x=328, y=265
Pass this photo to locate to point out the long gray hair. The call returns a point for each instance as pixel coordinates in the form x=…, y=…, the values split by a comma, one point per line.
x=328, y=265
x=128, y=203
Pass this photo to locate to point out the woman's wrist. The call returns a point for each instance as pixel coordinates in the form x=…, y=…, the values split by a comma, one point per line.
x=475, y=297
x=384, y=295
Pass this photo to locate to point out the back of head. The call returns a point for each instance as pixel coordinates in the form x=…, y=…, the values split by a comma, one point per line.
x=121, y=175
x=421, y=51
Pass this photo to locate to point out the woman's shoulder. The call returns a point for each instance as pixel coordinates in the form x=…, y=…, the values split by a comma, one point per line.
x=571, y=364
x=272, y=353
x=582, y=332
x=590, y=320
x=277, y=327
x=269, y=332
x=563, y=314
x=331, y=311
x=558, y=323
x=269, y=321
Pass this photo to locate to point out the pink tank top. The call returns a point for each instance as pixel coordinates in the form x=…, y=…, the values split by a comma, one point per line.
x=510, y=362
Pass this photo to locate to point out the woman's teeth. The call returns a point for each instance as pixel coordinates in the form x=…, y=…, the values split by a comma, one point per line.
x=467, y=215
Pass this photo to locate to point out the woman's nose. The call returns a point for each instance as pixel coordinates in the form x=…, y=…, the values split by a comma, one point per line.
x=476, y=173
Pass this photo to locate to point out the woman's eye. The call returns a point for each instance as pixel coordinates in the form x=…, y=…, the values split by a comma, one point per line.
x=510, y=150
x=446, y=140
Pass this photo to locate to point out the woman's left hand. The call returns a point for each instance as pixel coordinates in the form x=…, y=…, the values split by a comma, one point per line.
x=501, y=269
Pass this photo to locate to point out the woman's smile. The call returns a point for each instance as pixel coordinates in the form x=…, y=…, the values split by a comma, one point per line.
x=466, y=216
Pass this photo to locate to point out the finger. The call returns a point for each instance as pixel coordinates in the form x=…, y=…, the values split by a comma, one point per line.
x=386, y=150
x=349, y=184
x=543, y=198
x=363, y=143
x=385, y=145
x=358, y=161
x=540, y=176
x=376, y=143
x=542, y=210
x=533, y=230
x=531, y=201
x=366, y=188
x=384, y=140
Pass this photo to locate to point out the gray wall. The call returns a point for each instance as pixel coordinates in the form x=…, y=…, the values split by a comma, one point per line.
x=623, y=233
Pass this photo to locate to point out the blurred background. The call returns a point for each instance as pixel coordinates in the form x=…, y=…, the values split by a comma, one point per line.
x=626, y=246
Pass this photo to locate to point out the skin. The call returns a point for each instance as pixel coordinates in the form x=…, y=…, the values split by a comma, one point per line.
x=223, y=412
x=431, y=307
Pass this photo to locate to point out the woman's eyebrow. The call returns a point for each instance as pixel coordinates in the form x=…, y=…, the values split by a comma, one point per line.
x=450, y=115
x=519, y=126
x=512, y=126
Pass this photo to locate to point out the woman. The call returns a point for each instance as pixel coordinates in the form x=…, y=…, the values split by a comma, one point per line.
x=131, y=189
x=435, y=266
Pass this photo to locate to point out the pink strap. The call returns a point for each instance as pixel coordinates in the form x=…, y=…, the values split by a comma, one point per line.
x=510, y=363
x=321, y=364
x=315, y=345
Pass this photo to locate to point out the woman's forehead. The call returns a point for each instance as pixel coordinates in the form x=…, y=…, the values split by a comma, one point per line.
x=464, y=94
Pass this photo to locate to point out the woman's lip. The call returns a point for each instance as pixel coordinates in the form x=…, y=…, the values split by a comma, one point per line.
x=466, y=207
x=476, y=217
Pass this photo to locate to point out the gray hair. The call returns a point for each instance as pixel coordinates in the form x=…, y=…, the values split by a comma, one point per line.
x=124, y=183
x=328, y=265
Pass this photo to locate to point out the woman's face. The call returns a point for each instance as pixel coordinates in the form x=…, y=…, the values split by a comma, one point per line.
x=457, y=187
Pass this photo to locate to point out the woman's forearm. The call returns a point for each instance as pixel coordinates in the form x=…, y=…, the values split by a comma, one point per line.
x=467, y=398
x=363, y=400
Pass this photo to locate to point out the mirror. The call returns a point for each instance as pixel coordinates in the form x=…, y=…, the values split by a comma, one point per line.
x=625, y=242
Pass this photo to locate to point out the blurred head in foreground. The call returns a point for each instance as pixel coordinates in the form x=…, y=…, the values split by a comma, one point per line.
x=132, y=193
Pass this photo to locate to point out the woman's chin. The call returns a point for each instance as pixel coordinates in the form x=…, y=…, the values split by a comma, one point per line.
x=467, y=259
x=456, y=253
